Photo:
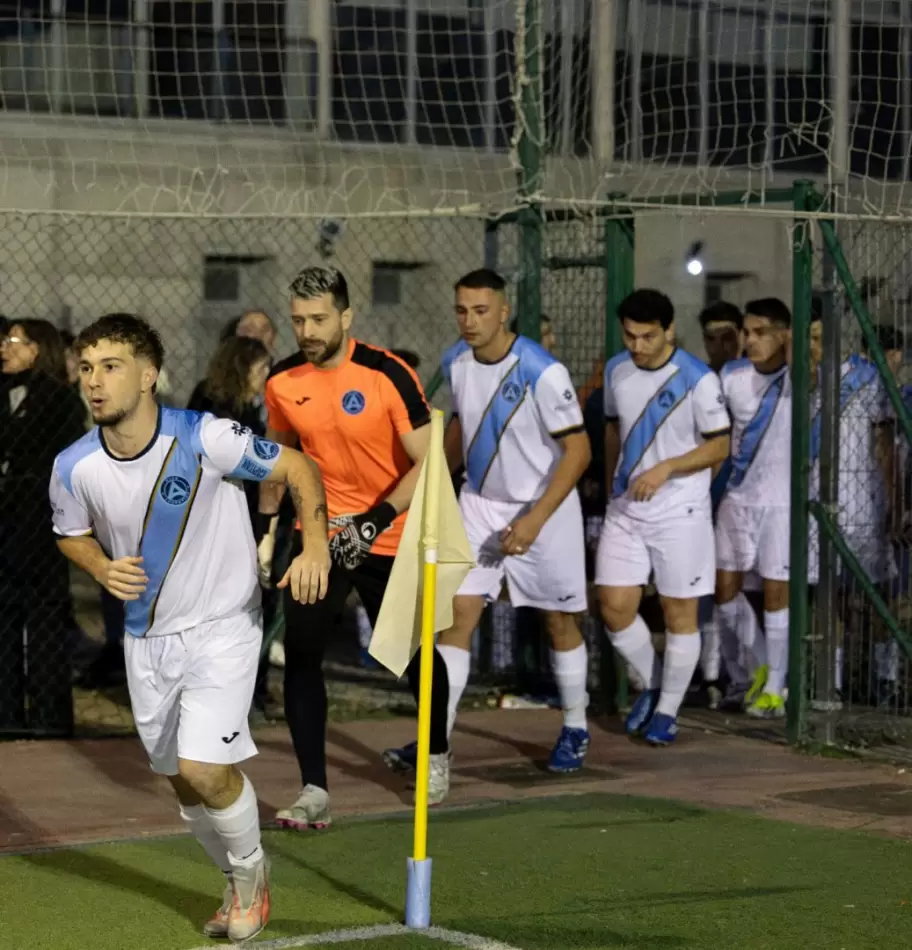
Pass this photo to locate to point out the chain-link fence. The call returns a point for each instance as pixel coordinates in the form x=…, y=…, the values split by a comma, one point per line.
x=859, y=674
x=192, y=278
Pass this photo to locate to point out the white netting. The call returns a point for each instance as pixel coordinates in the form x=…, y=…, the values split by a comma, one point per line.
x=322, y=107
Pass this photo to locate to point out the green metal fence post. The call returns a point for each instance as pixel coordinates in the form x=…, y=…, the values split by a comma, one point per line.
x=801, y=445
x=531, y=653
x=531, y=170
x=619, y=282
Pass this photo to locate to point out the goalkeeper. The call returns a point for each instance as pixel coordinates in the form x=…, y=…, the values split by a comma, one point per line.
x=362, y=415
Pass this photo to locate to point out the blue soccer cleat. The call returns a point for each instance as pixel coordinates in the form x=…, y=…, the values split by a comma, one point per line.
x=663, y=730
x=569, y=751
x=642, y=711
x=402, y=760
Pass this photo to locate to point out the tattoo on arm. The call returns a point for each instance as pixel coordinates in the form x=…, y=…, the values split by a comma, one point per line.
x=320, y=513
x=296, y=498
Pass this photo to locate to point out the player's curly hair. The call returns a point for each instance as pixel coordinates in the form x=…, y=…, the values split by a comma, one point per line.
x=227, y=380
x=127, y=329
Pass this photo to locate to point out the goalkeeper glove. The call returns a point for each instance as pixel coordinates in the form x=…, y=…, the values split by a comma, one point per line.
x=350, y=546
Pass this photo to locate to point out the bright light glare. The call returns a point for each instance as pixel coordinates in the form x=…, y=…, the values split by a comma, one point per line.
x=695, y=267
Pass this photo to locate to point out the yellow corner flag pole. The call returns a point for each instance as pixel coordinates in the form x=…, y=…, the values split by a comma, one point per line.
x=433, y=560
x=418, y=893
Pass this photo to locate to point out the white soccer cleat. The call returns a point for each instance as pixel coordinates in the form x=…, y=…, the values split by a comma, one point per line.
x=217, y=925
x=249, y=911
x=311, y=810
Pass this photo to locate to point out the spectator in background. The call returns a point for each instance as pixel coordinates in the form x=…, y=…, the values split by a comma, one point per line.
x=722, y=325
x=233, y=389
x=40, y=415
x=409, y=357
x=546, y=335
x=255, y=324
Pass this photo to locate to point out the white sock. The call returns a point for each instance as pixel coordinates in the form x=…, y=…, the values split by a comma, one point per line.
x=197, y=820
x=682, y=653
x=365, y=630
x=776, y=623
x=750, y=636
x=571, y=671
x=635, y=646
x=886, y=660
x=238, y=826
x=457, y=663
x=711, y=655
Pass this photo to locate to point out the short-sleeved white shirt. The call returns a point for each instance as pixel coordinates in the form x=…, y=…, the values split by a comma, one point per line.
x=662, y=413
x=176, y=505
x=760, y=406
x=512, y=414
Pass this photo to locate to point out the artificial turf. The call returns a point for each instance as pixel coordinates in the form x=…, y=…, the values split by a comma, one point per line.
x=572, y=873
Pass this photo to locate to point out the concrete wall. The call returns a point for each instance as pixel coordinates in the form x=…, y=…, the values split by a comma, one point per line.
x=125, y=221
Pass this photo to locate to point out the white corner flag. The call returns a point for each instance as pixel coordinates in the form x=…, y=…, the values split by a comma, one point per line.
x=397, y=633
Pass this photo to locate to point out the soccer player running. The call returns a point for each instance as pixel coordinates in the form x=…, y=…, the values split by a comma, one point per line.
x=361, y=414
x=148, y=505
x=752, y=527
x=666, y=427
x=518, y=428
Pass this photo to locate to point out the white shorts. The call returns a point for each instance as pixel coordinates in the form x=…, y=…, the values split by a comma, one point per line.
x=753, y=539
x=551, y=575
x=191, y=691
x=678, y=551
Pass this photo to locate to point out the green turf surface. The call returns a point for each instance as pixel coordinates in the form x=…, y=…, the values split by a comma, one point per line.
x=577, y=873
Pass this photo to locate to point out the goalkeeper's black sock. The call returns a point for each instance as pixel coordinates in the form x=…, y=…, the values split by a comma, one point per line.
x=440, y=698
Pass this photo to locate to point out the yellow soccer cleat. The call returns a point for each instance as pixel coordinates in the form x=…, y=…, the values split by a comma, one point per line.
x=768, y=706
x=755, y=691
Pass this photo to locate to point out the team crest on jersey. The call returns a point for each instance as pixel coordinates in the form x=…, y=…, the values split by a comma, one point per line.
x=175, y=490
x=353, y=402
x=239, y=430
x=265, y=449
x=666, y=399
x=511, y=391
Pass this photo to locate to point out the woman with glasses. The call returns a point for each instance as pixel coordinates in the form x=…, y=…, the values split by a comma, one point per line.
x=40, y=415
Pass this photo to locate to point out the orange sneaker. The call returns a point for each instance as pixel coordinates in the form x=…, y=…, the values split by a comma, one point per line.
x=249, y=911
x=217, y=925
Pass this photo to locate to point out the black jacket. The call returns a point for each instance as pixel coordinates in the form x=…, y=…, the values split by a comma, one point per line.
x=49, y=418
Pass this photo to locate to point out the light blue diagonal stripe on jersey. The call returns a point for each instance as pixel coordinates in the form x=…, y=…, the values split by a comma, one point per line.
x=500, y=410
x=860, y=373
x=163, y=529
x=719, y=484
x=756, y=429
x=643, y=432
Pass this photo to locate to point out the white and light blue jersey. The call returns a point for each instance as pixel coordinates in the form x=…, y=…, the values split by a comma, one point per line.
x=174, y=506
x=512, y=414
x=863, y=406
x=760, y=406
x=662, y=414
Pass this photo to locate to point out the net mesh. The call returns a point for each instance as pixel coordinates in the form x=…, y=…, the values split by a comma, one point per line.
x=315, y=107
x=859, y=675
